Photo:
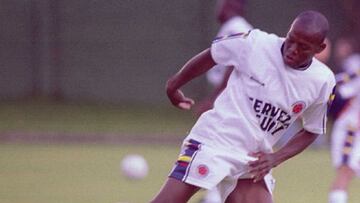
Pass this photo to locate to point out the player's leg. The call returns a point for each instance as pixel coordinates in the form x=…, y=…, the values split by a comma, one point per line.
x=189, y=170
x=246, y=191
x=175, y=191
x=338, y=192
x=346, y=172
x=344, y=175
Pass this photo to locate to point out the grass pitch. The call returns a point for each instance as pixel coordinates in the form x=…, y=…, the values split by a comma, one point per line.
x=90, y=174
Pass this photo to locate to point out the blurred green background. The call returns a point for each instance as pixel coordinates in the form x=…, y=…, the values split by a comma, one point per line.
x=44, y=116
x=123, y=51
x=82, y=85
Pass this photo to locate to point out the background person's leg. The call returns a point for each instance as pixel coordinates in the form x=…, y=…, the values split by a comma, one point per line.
x=175, y=191
x=248, y=192
x=338, y=192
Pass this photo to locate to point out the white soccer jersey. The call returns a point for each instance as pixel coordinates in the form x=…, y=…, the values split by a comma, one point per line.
x=234, y=25
x=264, y=96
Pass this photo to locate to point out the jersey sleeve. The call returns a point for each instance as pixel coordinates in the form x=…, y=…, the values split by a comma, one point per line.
x=315, y=117
x=232, y=50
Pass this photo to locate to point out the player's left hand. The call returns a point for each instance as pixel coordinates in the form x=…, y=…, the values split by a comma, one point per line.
x=262, y=166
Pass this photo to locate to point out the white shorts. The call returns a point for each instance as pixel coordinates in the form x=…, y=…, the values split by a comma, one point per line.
x=207, y=167
x=345, y=144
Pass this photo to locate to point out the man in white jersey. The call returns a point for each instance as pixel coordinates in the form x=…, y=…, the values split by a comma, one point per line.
x=345, y=145
x=275, y=80
x=229, y=14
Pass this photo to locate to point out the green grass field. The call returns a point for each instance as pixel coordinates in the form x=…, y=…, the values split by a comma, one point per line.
x=89, y=173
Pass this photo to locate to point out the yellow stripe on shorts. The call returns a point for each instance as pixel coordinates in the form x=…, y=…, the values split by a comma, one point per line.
x=184, y=158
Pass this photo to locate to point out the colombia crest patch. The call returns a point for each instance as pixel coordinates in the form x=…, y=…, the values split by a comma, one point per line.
x=298, y=107
x=202, y=170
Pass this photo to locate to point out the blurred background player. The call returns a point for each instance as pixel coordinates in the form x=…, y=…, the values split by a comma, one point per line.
x=230, y=15
x=346, y=56
x=346, y=61
x=345, y=148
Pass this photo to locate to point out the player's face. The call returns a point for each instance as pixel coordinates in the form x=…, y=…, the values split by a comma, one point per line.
x=299, y=48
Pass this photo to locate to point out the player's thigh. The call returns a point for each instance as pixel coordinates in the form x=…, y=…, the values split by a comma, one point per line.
x=175, y=191
x=246, y=191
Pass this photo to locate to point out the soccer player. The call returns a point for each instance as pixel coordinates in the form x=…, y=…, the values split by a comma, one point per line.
x=345, y=145
x=275, y=80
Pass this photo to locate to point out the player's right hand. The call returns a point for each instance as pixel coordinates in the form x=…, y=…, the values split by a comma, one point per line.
x=178, y=99
x=261, y=165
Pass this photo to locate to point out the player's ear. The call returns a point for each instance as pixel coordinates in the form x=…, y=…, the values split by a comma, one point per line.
x=321, y=48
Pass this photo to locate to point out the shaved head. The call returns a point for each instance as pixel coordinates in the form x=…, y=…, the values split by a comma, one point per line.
x=305, y=39
x=313, y=23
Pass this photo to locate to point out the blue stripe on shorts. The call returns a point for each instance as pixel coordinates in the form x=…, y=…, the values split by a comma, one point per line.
x=180, y=169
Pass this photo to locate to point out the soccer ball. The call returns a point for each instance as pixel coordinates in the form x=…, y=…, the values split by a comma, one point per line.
x=134, y=166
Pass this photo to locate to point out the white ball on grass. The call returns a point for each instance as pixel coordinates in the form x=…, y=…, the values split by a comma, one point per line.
x=134, y=166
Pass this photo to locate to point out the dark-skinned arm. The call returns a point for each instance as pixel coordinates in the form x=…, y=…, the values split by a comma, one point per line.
x=196, y=66
x=266, y=161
